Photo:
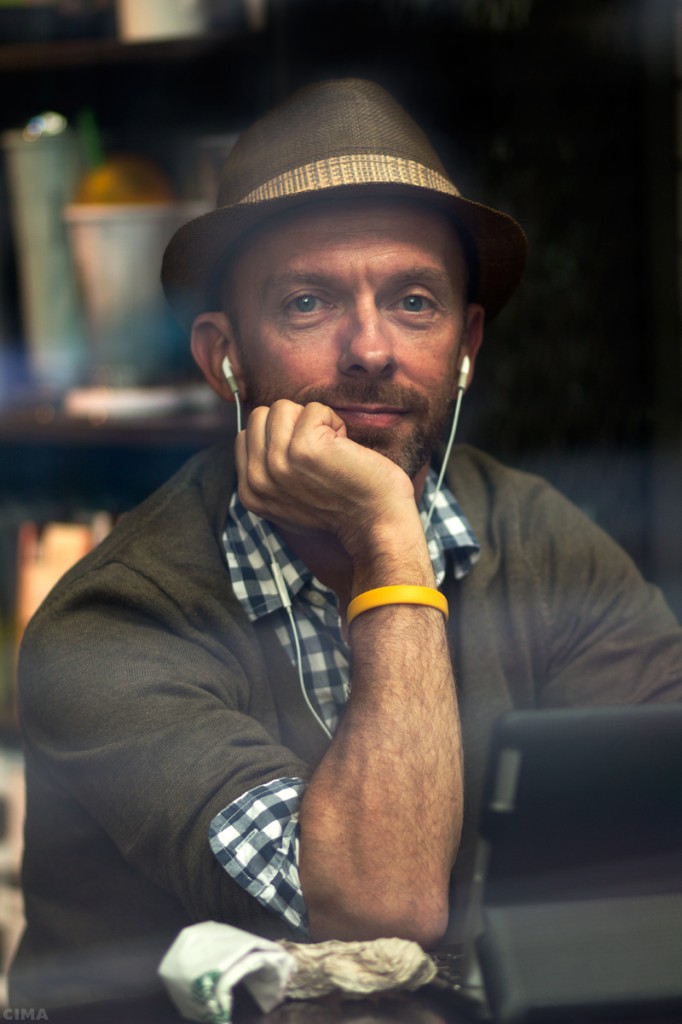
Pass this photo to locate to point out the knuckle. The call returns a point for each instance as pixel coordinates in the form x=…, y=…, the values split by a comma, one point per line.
x=255, y=478
x=246, y=495
x=277, y=464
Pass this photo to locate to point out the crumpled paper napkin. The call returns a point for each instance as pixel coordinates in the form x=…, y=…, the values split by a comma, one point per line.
x=207, y=960
x=357, y=968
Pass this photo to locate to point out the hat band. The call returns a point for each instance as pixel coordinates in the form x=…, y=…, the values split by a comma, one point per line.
x=351, y=169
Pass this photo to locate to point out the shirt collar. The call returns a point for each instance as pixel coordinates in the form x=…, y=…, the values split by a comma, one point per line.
x=251, y=544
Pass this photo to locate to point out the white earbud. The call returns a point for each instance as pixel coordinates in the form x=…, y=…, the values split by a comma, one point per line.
x=463, y=379
x=229, y=376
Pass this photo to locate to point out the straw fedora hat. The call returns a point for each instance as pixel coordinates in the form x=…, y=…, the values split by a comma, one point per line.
x=338, y=138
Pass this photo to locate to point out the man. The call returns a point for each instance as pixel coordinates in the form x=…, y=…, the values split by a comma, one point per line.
x=265, y=699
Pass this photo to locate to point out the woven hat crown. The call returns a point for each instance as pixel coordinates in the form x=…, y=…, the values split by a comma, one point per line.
x=341, y=119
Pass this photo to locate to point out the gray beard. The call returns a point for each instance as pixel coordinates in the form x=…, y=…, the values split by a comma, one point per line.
x=414, y=454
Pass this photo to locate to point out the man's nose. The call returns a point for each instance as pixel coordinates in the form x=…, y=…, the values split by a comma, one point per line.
x=366, y=344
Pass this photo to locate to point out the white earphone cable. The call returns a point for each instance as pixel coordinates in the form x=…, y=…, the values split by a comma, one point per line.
x=461, y=388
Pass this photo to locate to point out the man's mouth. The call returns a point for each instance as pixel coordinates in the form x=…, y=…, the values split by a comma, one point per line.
x=377, y=416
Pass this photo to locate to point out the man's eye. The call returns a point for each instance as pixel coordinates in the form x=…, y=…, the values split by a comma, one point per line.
x=415, y=303
x=305, y=303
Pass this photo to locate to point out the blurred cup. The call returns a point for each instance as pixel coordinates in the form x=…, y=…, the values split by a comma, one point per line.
x=159, y=19
x=117, y=251
x=42, y=171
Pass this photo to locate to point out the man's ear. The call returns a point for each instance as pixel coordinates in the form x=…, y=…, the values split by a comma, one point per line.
x=213, y=338
x=472, y=337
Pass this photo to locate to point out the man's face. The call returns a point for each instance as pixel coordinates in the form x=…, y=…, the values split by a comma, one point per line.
x=360, y=306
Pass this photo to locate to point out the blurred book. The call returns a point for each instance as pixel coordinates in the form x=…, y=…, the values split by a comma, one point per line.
x=45, y=553
x=122, y=402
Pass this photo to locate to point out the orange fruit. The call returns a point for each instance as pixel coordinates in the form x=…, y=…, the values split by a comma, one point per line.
x=124, y=178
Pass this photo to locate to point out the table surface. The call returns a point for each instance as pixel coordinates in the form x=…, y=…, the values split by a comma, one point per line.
x=435, y=1003
x=428, y=1006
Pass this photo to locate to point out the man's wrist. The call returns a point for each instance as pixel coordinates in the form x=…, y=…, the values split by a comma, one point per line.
x=400, y=567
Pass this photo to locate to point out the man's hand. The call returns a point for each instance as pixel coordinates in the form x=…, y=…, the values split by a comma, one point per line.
x=298, y=469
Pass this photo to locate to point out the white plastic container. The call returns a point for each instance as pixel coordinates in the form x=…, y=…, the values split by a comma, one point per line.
x=117, y=251
x=42, y=175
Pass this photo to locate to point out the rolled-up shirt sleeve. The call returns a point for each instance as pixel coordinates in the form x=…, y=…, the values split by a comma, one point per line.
x=256, y=840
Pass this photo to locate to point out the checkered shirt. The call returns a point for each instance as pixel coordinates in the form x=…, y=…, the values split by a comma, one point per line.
x=256, y=837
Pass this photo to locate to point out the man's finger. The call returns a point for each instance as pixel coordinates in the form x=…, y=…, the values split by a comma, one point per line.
x=317, y=414
x=279, y=425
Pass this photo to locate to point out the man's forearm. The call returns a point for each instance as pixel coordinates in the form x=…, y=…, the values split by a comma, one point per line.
x=381, y=819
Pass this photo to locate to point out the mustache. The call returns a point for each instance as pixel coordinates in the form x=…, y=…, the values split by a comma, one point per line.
x=360, y=392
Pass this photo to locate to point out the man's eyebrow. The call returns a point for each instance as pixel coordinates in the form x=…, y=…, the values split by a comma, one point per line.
x=292, y=278
x=425, y=274
x=412, y=275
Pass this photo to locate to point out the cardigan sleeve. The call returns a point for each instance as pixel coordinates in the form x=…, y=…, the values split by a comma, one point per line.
x=610, y=636
x=151, y=715
x=555, y=613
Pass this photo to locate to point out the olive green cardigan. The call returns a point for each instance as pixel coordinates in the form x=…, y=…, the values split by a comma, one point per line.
x=149, y=702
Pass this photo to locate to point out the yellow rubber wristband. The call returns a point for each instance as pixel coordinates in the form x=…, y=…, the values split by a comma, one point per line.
x=381, y=596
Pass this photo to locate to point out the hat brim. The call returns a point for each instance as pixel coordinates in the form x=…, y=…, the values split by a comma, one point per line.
x=198, y=250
